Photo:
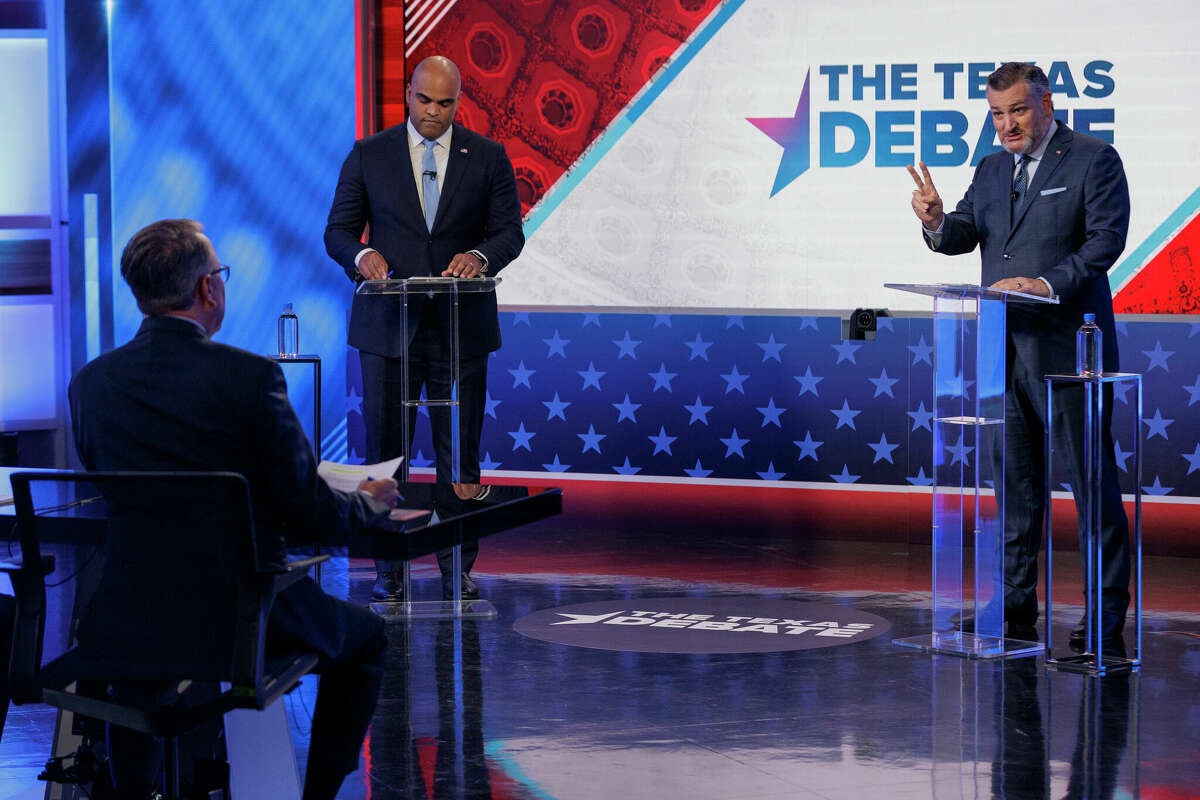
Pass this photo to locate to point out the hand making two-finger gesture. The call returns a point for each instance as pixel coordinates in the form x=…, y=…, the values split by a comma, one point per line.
x=926, y=202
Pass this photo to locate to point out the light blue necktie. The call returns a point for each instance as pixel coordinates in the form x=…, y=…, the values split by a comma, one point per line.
x=429, y=184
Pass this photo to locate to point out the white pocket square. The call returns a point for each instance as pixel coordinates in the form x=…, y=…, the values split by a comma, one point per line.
x=1045, y=192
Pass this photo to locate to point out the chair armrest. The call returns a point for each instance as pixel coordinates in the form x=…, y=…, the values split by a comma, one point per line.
x=16, y=565
x=292, y=571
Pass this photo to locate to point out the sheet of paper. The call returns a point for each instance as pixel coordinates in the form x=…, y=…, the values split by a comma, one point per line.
x=347, y=477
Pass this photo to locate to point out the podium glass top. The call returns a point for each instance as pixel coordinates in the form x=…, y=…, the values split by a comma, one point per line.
x=967, y=290
x=428, y=285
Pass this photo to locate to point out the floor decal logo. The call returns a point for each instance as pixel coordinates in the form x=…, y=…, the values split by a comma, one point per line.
x=702, y=625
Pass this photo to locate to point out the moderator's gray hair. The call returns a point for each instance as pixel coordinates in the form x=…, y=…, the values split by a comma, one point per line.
x=163, y=262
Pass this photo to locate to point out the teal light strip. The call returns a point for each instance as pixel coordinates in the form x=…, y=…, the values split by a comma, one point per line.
x=1138, y=258
x=577, y=172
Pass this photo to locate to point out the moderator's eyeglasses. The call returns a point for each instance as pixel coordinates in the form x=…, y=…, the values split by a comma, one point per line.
x=224, y=270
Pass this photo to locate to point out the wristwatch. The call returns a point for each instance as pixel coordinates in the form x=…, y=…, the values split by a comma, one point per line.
x=482, y=260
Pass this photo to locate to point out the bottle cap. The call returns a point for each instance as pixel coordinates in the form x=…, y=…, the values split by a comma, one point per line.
x=288, y=309
x=1086, y=317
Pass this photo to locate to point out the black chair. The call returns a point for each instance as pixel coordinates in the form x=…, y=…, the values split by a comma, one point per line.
x=184, y=596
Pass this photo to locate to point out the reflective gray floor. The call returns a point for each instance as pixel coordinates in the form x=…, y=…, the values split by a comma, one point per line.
x=477, y=710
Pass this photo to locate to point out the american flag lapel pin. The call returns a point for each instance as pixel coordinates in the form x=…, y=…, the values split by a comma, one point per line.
x=462, y=150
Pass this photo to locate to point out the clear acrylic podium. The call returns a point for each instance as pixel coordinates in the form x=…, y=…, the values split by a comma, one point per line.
x=403, y=291
x=969, y=337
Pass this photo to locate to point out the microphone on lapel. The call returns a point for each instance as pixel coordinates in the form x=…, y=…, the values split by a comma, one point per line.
x=430, y=173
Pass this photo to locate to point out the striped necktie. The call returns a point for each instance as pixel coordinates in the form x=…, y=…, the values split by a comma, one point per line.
x=1021, y=181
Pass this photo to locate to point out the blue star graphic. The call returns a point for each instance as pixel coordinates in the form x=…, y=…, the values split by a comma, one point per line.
x=699, y=411
x=921, y=418
x=662, y=378
x=884, y=384
x=556, y=465
x=662, y=442
x=1122, y=328
x=1193, y=392
x=845, y=476
x=420, y=461
x=555, y=408
x=1193, y=329
x=1120, y=389
x=808, y=382
x=771, y=413
x=699, y=348
x=521, y=375
x=921, y=352
x=521, y=317
x=921, y=479
x=883, y=323
x=883, y=450
x=487, y=463
x=734, y=380
x=489, y=405
x=1157, y=488
x=591, y=376
x=1158, y=357
x=627, y=469
x=959, y=452
x=845, y=415
x=591, y=439
x=809, y=322
x=521, y=438
x=808, y=447
x=1193, y=460
x=771, y=474
x=662, y=319
x=354, y=401
x=1121, y=455
x=591, y=319
x=845, y=351
x=734, y=444
x=626, y=409
x=771, y=349
x=626, y=347
x=698, y=471
x=1158, y=425
x=354, y=458
x=557, y=345
x=731, y=322
x=792, y=133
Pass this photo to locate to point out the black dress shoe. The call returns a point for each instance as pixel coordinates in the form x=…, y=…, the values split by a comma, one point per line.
x=387, y=588
x=1022, y=631
x=1110, y=630
x=469, y=590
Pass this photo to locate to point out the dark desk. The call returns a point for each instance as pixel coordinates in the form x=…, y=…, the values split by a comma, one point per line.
x=81, y=520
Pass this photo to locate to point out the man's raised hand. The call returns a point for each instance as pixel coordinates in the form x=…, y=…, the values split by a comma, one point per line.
x=926, y=202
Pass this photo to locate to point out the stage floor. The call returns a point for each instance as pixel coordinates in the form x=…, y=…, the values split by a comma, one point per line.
x=528, y=719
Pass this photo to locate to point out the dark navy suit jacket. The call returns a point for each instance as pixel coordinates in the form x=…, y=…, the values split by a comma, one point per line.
x=172, y=399
x=478, y=209
x=1070, y=230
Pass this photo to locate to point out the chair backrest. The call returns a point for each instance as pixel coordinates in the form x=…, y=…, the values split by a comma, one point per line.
x=181, y=594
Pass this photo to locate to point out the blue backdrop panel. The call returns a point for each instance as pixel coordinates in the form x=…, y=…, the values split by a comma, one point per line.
x=239, y=114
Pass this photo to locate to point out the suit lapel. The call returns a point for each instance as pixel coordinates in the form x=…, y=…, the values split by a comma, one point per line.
x=456, y=167
x=401, y=167
x=1056, y=152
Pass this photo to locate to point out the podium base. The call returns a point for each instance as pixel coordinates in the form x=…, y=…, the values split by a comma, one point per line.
x=970, y=645
x=1085, y=664
x=436, y=609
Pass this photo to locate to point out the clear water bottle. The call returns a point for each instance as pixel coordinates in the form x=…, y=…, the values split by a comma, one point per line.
x=1089, y=346
x=289, y=332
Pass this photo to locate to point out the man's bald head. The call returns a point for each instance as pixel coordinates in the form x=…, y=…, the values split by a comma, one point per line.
x=433, y=96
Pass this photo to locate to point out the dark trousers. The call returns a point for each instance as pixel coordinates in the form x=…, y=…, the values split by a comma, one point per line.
x=351, y=647
x=429, y=368
x=1025, y=485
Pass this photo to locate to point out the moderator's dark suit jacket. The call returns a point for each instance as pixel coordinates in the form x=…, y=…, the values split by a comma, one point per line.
x=172, y=399
x=1070, y=230
x=478, y=209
